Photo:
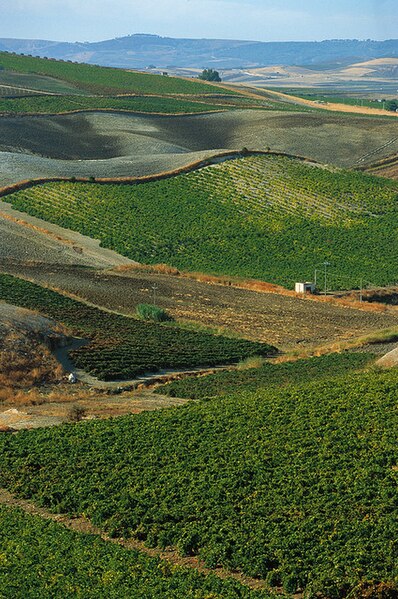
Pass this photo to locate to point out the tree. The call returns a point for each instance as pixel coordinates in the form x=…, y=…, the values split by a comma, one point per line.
x=392, y=105
x=210, y=75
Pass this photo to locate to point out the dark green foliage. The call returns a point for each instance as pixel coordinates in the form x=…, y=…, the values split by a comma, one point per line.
x=43, y=559
x=210, y=75
x=122, y=347
x=296, y=485
x=269, y=217
x=154, y=313
x=268, y=375
x=392, y=105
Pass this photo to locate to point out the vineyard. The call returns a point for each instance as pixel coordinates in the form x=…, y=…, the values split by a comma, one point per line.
x=123, y=347
x=34, y=103
x=105, y=80
x=60, y=104
x=268, y=375
x=44, y=559
x=295, y=485
x=269, y=217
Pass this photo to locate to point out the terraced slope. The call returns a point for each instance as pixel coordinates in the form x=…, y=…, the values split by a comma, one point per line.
x=297, y=486
x=269, y=217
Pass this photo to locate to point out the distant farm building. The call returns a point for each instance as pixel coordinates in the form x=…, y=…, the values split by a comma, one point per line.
x=305, y=287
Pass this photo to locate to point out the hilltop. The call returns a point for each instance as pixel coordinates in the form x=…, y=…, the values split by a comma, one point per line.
x=142, y=50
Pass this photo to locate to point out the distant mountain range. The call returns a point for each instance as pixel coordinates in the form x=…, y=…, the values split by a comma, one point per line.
x=141, y=50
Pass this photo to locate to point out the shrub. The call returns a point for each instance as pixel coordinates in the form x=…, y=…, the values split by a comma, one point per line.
x=76, y=413
x=151, y=312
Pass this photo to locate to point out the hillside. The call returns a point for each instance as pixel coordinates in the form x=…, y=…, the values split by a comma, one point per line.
x=49, y=555
x=267, y=216
x=376, y=77
x=140, y=51
x=118, y=347
x=296, y=486
x=105, y=80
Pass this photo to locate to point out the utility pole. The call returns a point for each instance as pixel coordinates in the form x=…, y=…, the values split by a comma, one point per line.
x=154, y=288
x=315, y=273
x=360, y=291
x=326, y=264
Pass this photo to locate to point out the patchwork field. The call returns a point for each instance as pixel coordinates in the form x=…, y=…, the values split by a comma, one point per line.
x=287, y=322
x=268, y=217
x=255, y=482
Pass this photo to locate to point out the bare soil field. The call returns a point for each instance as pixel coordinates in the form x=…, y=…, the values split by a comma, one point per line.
x=26, y=238
x=113, y=145
x=287, y=322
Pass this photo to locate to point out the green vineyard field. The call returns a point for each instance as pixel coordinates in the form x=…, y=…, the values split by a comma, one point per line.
x=43, y=559
x=268, y=217
x=269, y=375
x=123, y=347
x=60, y=104
x=107, y=80
x=297, y=486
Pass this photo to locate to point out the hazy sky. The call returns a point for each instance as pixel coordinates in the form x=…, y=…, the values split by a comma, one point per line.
x=263, y=20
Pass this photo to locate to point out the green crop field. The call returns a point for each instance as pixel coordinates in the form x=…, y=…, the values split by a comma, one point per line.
x=297, y=486
x=60, y=104
x=43, y=559
x=269, y=375
x=106, y=80
x=122, y=347
x=269, y=217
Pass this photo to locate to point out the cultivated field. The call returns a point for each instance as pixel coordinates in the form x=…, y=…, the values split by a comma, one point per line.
x=121, y=348
x=108, y=81
x=387, y=168
x=287, y=322
x=268, y=217
x=287, y=475
x=132, y=145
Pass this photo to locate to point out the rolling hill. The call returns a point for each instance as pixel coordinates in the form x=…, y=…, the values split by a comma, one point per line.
x=270, y=217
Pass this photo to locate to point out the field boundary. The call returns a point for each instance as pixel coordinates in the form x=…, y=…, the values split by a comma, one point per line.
x=379, y=163
x=188, y=168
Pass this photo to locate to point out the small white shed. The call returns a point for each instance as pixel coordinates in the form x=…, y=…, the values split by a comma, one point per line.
x=306, y=287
